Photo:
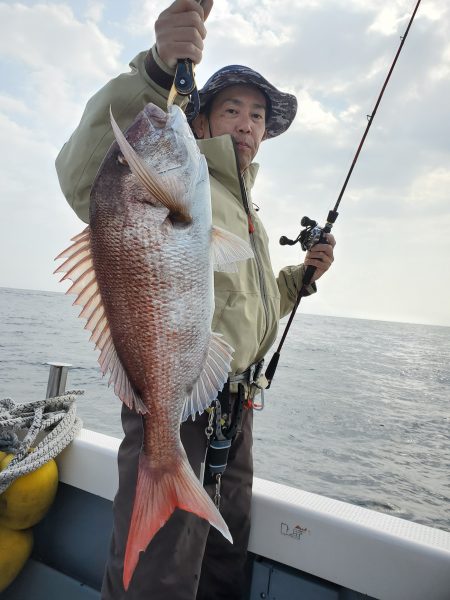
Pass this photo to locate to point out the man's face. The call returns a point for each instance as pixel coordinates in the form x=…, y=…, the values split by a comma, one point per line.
x=239, y=110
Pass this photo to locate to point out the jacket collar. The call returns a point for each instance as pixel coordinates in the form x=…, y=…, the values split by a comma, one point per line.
x=221, y=158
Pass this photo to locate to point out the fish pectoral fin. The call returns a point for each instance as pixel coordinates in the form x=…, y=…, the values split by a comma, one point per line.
x=228, y=249
x=158, y=493
x=79, y=268
x=166, y=191
x=212, y=378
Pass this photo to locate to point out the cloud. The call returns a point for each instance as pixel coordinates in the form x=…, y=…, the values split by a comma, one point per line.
x=441, y=71
x=63, y=59
x=334, y=55
x=94, y=11
x=26, y=154
x=251, y=23
x=431, y=189
x=387, y=21
x=12, y=105
x=51, y=63
x=49, y=35
x=142, y=16
x=314, y=117
x=35, y=220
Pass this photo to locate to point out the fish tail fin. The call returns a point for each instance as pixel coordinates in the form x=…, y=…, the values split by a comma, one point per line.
x=158, y=493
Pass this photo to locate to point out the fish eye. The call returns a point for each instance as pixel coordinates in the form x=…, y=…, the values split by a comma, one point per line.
x=179, y=220
x=121, y=159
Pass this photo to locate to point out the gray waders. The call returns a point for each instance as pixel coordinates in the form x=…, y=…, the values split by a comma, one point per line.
x=187, y=559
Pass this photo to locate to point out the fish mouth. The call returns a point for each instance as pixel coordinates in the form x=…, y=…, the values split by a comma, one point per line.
x=156, y=115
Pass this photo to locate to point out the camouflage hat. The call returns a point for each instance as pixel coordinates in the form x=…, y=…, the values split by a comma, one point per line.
x=281, y=109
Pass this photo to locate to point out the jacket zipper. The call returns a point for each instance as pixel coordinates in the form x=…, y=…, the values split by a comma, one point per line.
x=251, y=229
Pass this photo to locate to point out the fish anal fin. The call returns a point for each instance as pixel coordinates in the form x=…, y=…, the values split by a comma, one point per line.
x=228, y=249
x=158, y=493
x=212, y=378
x=78, y=267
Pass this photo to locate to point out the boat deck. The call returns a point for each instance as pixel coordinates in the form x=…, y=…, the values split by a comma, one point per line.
x=302, y=546
x=71, y=546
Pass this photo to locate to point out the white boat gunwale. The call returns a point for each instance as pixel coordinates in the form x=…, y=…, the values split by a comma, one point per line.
x=370, y=552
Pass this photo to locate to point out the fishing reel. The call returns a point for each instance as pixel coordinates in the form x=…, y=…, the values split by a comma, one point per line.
x=308, y=237
x=311, y=235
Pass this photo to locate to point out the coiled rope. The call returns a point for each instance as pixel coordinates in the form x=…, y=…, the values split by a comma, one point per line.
x=56, y=416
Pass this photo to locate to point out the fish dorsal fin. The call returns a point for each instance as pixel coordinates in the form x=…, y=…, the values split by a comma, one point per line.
x=228, y=249
x=212, y=379
x=79, y=268
x=166, y=191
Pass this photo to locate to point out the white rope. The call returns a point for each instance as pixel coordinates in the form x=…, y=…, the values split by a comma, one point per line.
x=56, y=416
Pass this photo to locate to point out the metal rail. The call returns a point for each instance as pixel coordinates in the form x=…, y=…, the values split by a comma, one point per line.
x=57, y=379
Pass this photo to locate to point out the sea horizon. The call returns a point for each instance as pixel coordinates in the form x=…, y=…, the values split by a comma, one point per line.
x=314, y=314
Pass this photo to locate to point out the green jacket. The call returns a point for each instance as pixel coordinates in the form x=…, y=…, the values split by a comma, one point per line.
x=248, y=304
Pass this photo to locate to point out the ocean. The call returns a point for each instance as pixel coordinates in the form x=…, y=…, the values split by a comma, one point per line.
x=358, y=409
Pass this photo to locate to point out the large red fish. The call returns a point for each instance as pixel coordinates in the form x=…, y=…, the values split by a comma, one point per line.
x=143, y=272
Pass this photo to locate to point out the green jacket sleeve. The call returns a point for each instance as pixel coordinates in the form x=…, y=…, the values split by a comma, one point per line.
x=289, y=282
x=148, y=80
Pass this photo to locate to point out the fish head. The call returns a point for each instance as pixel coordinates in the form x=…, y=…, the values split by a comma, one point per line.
x=181, y=163
x=163, y=144
x=154, y=137
x=166, y=142
x=195, y=174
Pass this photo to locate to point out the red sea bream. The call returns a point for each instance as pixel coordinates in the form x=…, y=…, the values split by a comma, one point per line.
x=143, y=273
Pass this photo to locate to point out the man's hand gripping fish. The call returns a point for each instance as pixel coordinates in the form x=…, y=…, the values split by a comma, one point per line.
x=143, y=273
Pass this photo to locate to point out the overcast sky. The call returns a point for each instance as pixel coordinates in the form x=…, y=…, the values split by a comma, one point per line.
x=393, y=232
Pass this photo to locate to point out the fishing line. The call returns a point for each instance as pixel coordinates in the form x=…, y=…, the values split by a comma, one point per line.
x=314, y=234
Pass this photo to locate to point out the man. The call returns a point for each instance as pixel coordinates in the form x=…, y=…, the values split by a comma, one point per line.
x=239, y=109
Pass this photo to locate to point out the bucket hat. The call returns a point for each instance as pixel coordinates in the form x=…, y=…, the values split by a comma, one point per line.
x=282, y=107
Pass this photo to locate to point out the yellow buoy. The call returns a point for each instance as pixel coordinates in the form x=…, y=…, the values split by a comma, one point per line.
x=15, y=548
x=25, y=502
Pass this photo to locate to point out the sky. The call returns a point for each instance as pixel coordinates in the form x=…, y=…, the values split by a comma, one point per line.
x=393, y=231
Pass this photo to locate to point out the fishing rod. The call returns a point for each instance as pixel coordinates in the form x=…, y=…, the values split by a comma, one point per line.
x=312, y=233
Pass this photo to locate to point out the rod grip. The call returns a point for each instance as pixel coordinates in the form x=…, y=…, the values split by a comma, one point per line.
x=309, y=272
x=184, y=77
x=271, y=368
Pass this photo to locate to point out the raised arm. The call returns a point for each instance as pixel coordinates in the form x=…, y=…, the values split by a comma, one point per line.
x=179, y=33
